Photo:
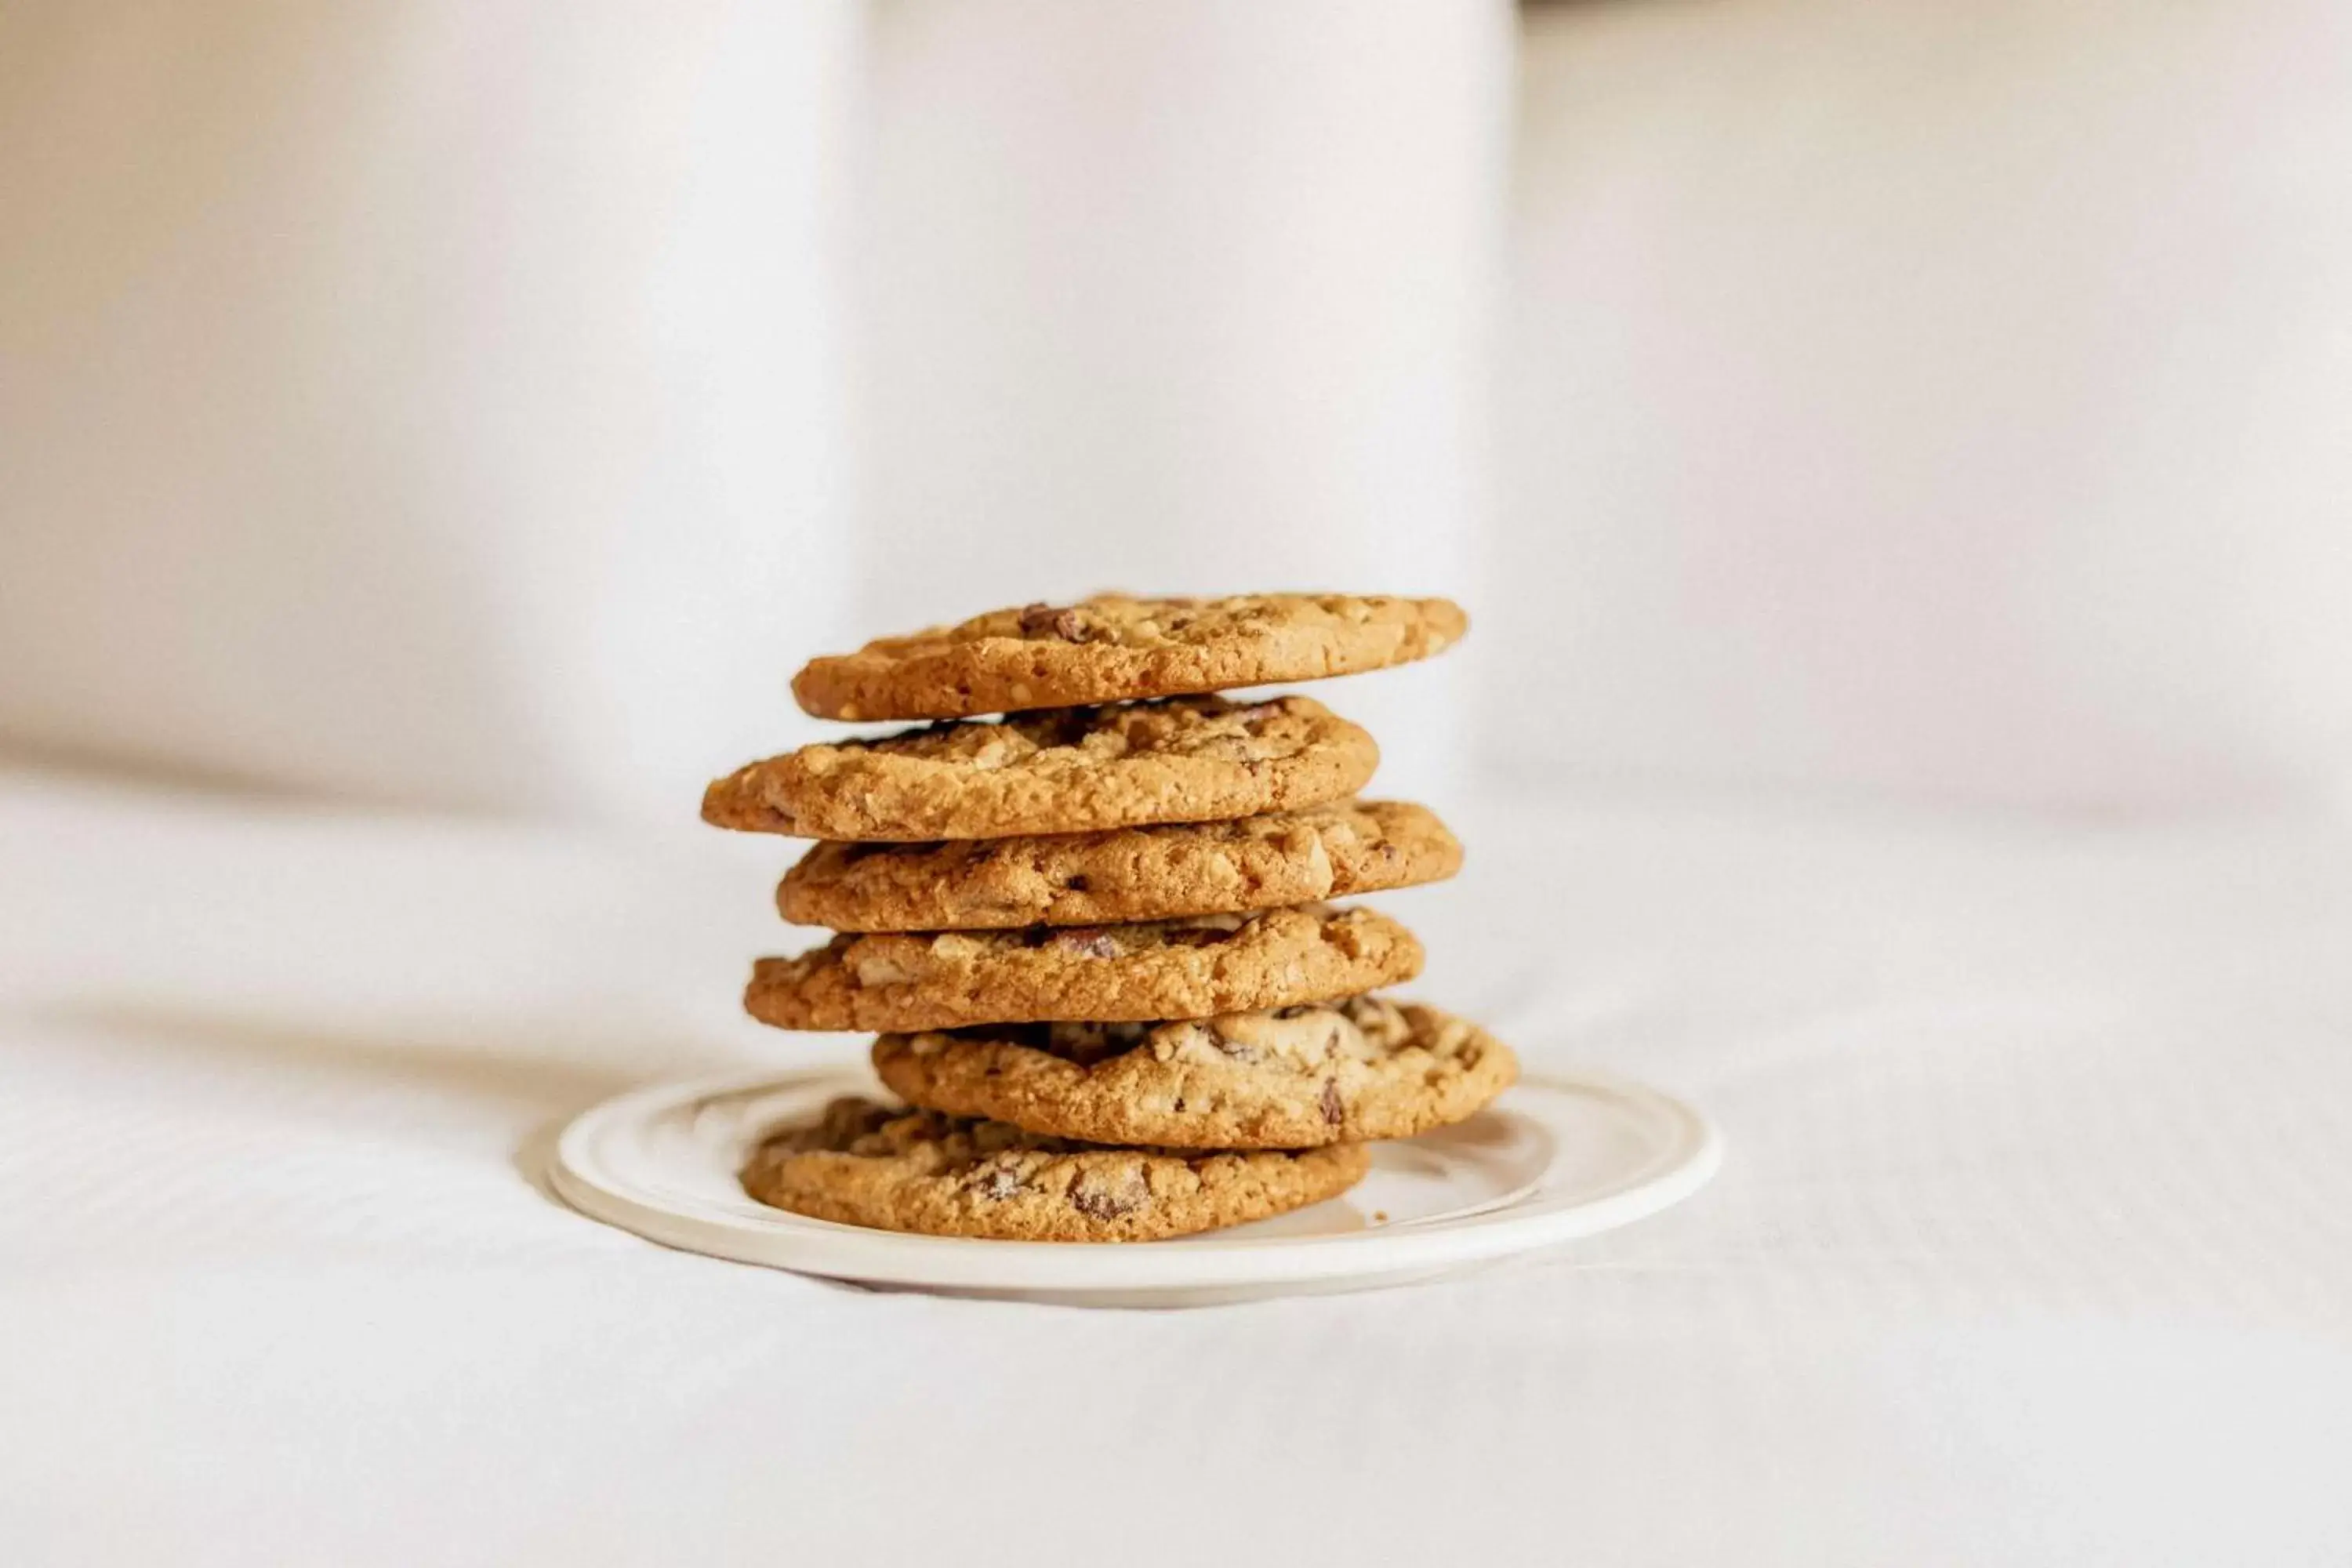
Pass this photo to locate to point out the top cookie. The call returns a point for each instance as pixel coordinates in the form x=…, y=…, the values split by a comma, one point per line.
x=1072, y=770
x=1115, y=649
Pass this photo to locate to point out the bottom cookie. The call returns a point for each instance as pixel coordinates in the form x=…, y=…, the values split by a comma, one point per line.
x=919, y=1171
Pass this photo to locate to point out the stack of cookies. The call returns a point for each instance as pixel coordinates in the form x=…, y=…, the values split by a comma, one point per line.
x=1090, y=935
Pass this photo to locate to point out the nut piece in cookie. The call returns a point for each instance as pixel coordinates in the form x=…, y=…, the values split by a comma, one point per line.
x=1363, y=1068
x=1194, y=967
x=1117, y=649
x=1075, y=770
x=1161, y=872
x=877, y=1166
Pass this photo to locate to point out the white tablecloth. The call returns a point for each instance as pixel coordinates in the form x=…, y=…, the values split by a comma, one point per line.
x=2034, y=1243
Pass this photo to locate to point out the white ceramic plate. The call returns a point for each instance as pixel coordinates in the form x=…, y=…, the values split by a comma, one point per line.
x=1562, y=1156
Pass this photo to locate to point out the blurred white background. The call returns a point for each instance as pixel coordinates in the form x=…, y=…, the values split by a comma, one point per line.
x=1948, y=401
x=488, y=406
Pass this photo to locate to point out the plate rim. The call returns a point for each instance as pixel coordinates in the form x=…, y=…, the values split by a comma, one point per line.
x=1687, y=1158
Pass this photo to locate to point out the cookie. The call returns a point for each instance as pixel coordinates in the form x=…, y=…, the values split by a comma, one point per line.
x=1162, y=872
x=1364, y=1069
x=1115, y=649
x=1071, y=770
x=1166, y=969
x=917, y=1171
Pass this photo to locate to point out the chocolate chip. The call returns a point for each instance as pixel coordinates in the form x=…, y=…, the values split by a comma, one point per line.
x=996, y=1183
x=1098, y=1202
x=1043, y=620
x=1060, y=726
x=1333, y=1111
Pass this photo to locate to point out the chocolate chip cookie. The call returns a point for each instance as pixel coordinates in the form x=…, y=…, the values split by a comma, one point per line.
x=1126, y=874
x=917, y=1171
x=1162, y=969
x=1366, y=1067
x=1070, y=770
x=1115, y=649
